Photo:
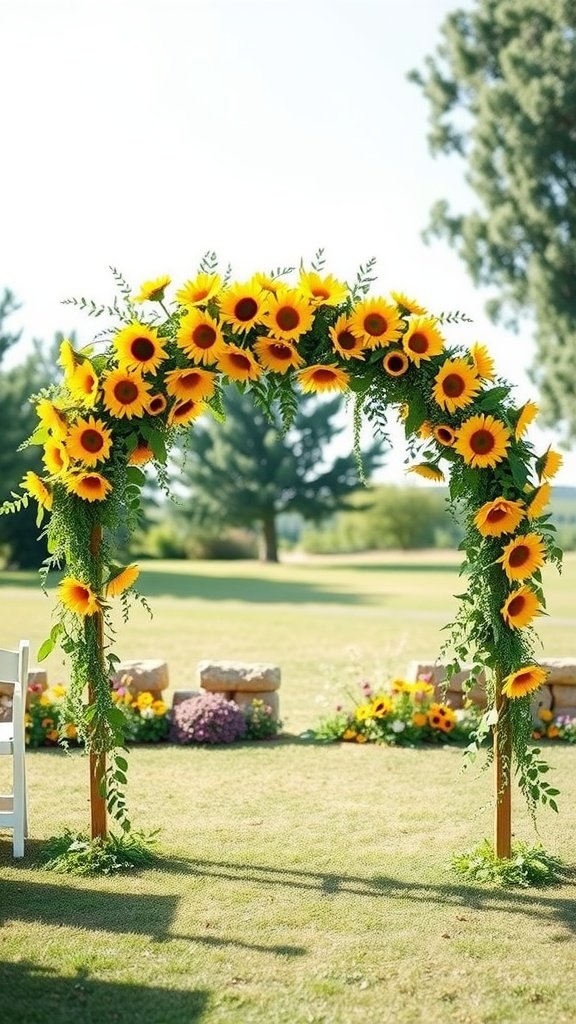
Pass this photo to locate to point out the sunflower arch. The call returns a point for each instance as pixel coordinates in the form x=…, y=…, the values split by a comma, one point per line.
x=163, y=363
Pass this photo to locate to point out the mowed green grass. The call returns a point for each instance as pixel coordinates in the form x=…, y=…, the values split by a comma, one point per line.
x=299, y=883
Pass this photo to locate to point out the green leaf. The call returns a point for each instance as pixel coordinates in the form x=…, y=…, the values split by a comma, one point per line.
x=135, y=476
x=122, y=763
x=416, y=413
x=492, y=399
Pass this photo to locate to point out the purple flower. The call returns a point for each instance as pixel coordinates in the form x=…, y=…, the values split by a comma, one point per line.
x=208, y=718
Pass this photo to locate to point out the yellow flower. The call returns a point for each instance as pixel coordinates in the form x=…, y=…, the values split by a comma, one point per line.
x=482, y=441
x=552, y=732
x=544, y=713
x=376, y=322
x=44, y=701
x=238, y=363
x=422, y=340
x=144, y=699
x=267, y=283
x=122, y=581
x=527, y=413
x=361, y=738
x=89, y=441
x=524, y=681
x=456, y=385
x=363, y=712
x=408, y=305
x=380, y=707
x=155, y=404
x=139, y=348
x=55, y=457
x=200, y=337
x=349, y=734
x=277, y=355
x=322, y=291
x=36, y=487
x=200, y=290
x=498, y=517
x=152, y=291
x=441, y=717
x=77, y=596
x=425, y=430
x=68, y=357
x=396, y=363
x=159, y=707
x=344, y=342
x=427, y=470
x=84, y=383
x=419, y=719
x=140, y=455
x=52, y=418
x=183, y=412
x=520, y=607
x=289, y=314
x=90, y=486
x=483, y=362
x=243, y=306
x=444, y=435
x=551, y=463
x=71, y=732
x=125, y=393
x=52, y=735
x=323, y=377
x=538, y=500
x=58, y=691
x=191, y=383
x=523, y=556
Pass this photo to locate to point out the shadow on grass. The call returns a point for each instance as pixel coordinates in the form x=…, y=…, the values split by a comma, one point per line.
x=387, y=567
x=245, y=588
x=35, y=996
x=20, y=579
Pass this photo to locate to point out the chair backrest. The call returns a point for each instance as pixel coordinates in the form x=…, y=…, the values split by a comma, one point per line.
x=14, y=669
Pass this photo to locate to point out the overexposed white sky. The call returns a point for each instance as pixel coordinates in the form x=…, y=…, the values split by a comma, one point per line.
x=140, y=133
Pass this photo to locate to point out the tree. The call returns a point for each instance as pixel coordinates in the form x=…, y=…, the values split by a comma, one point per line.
x=502, y=93
x=244, y=471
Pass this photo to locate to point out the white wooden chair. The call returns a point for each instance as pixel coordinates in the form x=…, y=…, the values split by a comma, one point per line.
x=13, y=814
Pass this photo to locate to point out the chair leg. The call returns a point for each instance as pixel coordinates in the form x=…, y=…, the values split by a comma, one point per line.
x=19, y=806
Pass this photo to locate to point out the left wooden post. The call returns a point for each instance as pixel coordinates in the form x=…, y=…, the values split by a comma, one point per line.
x=98, y=820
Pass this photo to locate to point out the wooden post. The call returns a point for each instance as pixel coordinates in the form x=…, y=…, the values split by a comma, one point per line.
x=502, y=776
x=98, y=822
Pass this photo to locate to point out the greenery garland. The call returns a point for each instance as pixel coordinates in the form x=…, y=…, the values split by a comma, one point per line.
x=123, y=399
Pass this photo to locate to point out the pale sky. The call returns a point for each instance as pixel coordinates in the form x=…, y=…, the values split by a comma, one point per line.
x=140, y=133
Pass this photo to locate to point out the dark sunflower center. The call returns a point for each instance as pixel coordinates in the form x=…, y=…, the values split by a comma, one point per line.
x=445, y=435
x=93, y=483
x=287, y=318
x=519, y=556
x=239, y=361
x=482, y=442
x=418, y=343
x=191, y=379
x=324, y=376
x=204, y=336
x=453, y=385
x=281, y=352
x=347, y=341
x=375, y=324
x=142, y=349
x=126, y=392
x=91, y=440
x=516, y=605
x=89, y=382
x=395, y=363
x=246, y=309
x=81, y=593
x=320, y=293
x=157, y=404
x=184, y=408
x=496, y=515
x=523, y=678
x=200, y=294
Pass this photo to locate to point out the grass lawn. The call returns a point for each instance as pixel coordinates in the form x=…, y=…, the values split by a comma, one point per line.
x=300, y=883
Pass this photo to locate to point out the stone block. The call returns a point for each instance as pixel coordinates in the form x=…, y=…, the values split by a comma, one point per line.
x=269, y=697
x=233, y=676
x=562, y=671
x=181, y=695
x=138, y=675
x=563, y=697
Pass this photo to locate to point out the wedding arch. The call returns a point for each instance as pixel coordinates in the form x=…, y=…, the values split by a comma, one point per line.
x=163, y=363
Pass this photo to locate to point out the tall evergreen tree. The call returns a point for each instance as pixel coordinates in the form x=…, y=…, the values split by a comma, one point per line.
x=244, y=471
x=501, y=88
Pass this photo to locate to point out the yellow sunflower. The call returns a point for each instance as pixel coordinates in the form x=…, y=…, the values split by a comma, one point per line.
x=243, y=306
x=396, y=363
x=428, y=470
x=376, y=322
x=408, y=305
x=84, y=384
x=498, y=517
x=123, y=580
x=90, y=486
x=527, y=413
x=520, y=607
x=523, y=556
x=200, y=337
x=183, y=412
x=140, y=455
x=538, y=500
x=456, y=385
x=68, y=357
x=277, y=355
x=77, y=596
x=239, y=364
x=55, y=457
x=89, y=441
x=344, y=341
x=322, y=291
x=422, y=340
x=36, y=487
x=549, y=464
x=155, y=404
x=267, y=283
x=425, y=430
x=444, y=434
x=139, y=348
x=323, y=377
x=125, y=393
x=190, y=383
x=482, y=441
x=152, y=291
x=380, y=707
x=52, y=418
x=289, y=314
x=200, y=290
x=483, y=362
